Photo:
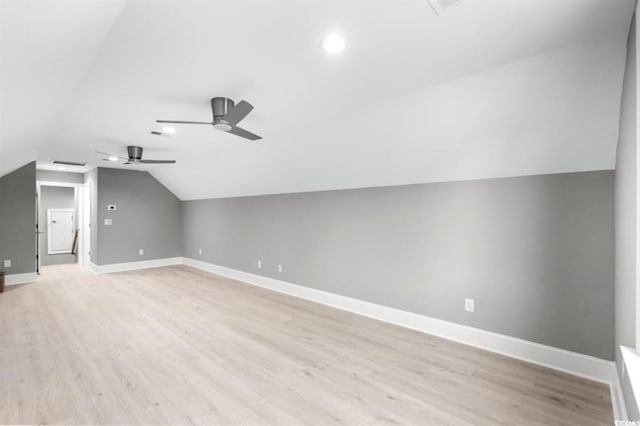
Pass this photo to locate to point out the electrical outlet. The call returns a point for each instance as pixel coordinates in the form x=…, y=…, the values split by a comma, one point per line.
x=469, y=305
x=141, y=252
x=108, y=222
x=259, y=264
x=7, y=263
x=279, y=268
x=200, y=252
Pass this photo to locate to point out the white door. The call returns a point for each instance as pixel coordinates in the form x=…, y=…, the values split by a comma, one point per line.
x=60, y=228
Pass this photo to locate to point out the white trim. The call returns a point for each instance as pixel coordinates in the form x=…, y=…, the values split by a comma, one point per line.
x=617, y=398
x=78, y=207
x=14, y=279
x=93, y=267
x=637, y=183
x=56, y=183
x=631, y=369
x=84, y=221
x=130, y=266
x=559, y=359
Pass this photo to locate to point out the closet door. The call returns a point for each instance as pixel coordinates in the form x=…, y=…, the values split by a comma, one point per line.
x=60, y=226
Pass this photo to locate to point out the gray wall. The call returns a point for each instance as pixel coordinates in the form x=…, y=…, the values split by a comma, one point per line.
x=626, y=218
x=18, y=219
x=536, y=253
x=53, y=176
x=148, y=217
x=54, y=197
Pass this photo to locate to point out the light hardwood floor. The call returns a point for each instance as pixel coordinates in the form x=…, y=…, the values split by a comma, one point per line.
x=181, y=346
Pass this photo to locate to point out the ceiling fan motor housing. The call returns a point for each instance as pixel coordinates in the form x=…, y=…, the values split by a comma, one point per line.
x=135, y=152
x=220, y=106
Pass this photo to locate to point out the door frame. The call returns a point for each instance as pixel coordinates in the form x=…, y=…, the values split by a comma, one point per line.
x=82, y=203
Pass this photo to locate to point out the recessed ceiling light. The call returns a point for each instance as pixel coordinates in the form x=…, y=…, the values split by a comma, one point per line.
x=333, y=43
x=168, y=131
x=112, y=158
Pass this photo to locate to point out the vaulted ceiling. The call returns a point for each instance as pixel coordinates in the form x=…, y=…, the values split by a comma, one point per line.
x=488, y=88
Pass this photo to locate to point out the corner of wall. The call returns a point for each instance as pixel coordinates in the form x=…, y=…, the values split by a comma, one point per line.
x=146, y=223
x=626, y=220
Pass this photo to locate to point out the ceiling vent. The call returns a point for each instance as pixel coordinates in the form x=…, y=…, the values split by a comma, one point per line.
x=440, y=5
x=68, y=163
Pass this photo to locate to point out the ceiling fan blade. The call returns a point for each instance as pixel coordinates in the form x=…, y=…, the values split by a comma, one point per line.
x=238, y=131
x=238, y=112
x=109, y=155
x=183, y=122
x=158, y=161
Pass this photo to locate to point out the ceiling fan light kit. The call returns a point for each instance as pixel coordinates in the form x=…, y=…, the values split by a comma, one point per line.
x=222, y=125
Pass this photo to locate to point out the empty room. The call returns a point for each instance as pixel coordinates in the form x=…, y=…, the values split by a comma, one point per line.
x=314, y=212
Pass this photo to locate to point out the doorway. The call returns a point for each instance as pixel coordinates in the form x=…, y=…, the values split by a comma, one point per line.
x=62, y=223
x=56, y=225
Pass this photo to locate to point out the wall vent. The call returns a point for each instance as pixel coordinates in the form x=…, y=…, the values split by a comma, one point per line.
x=69, y=163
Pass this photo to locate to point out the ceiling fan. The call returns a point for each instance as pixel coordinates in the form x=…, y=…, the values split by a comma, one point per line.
x=226, y=115
x=135, y=157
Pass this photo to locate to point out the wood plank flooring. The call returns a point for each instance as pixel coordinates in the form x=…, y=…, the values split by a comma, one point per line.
x=176, y=345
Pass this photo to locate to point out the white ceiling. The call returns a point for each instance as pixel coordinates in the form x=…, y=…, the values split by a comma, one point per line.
x=488, y=88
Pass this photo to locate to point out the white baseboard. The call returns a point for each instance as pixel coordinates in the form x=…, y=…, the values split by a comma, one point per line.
x=617, y=398
x=14, y=279
x=130, y=266
x=559, y=359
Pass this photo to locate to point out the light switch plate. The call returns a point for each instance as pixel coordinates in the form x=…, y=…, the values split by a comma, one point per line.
x=141, y=252
x=108, y=222
x=7, y=263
